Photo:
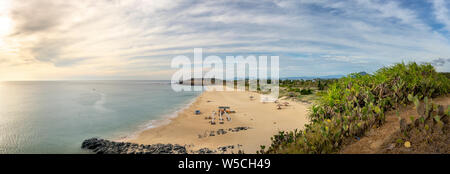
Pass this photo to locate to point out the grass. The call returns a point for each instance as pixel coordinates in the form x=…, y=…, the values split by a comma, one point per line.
x=304, y=90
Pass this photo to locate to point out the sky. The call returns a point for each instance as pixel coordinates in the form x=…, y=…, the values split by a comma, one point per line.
x=137, y=39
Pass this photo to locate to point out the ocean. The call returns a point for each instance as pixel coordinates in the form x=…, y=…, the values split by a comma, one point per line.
x=54, y=117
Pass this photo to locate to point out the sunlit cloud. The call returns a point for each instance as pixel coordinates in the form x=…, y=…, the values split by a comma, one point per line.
x=136, y=39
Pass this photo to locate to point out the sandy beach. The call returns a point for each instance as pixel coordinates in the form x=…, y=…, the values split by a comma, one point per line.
x=264, y=120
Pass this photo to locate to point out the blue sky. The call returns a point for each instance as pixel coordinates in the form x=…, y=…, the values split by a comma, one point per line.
x=137, y=39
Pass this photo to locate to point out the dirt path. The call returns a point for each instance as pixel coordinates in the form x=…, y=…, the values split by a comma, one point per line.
x=374, y=138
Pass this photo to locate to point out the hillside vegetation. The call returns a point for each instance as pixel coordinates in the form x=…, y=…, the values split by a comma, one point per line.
x=429, y=132
x=356, y=103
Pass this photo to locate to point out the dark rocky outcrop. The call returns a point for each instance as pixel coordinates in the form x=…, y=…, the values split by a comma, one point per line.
x=222, y=131
x=222, y=149
x=102, y=146
x=204, y=151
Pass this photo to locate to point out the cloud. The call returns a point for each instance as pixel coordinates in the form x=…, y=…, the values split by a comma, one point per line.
x=38, y=16
x=439, y=62
x=135, y=38
x=442, y=13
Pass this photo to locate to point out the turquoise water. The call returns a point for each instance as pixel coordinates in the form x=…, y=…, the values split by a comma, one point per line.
x=55, y=117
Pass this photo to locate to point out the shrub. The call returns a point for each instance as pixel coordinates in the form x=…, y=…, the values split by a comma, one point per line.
x=358, y=102
x=306, y=91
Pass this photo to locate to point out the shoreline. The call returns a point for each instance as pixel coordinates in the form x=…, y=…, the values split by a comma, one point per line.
x=151, y=124
x=251, y=126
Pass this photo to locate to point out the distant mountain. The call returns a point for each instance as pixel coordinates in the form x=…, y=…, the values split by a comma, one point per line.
x=313, y=77
x=363, y=73
x=198, y=81
x=319, y=77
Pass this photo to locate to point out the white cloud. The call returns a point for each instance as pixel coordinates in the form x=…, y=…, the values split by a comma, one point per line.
x=136, y=38
x=442, y=13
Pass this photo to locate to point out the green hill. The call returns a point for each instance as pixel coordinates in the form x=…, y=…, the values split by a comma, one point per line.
x=358, y=102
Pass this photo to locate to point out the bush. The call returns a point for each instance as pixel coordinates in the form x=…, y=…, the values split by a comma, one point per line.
x=321, y=86
x=305, y=91
x=356, y=103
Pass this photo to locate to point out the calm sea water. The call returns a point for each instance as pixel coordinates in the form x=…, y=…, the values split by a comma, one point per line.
x=55, y=117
